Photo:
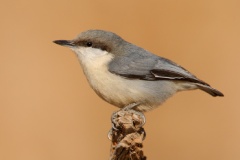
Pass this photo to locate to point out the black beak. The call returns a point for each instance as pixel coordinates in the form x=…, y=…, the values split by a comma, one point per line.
x=64, y=42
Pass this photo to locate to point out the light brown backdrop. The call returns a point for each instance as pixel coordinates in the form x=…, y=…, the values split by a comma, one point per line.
x=48, y=111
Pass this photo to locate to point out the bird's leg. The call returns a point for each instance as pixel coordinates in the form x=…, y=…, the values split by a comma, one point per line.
x=130, y=106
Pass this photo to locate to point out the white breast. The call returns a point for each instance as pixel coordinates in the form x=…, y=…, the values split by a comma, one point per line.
x=115, y=89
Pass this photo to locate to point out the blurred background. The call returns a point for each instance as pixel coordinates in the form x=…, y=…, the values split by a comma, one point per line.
x=48, y=111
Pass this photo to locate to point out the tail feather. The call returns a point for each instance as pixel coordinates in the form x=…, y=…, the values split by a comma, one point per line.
x=210, y=90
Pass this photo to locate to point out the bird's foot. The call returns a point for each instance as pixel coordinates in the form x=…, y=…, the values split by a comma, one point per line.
x=132, y=107
x=127, y=108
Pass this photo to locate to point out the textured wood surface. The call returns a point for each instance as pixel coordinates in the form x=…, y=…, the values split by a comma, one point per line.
x=127, y=135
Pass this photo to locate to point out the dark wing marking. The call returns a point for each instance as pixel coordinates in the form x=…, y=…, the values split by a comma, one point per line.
x=170, y=75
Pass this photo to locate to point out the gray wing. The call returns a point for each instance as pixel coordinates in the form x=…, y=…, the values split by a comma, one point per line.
x=146, y=66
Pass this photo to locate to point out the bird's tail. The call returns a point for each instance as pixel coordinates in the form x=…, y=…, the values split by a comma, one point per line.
x=209, y=90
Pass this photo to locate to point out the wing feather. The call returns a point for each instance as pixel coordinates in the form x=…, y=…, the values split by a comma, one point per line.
x=143, y=65
x=151, y=68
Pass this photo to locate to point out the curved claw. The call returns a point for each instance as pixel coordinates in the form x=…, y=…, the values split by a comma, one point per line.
x=113, y=127
x=112, y=117
x=109, y=135
x=144, y=134
x=113, y=122
x=143, y=117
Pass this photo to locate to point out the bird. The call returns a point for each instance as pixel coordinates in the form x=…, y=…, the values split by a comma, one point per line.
x=124, y=74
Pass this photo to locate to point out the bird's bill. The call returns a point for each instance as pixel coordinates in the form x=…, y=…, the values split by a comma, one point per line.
x=67, y=43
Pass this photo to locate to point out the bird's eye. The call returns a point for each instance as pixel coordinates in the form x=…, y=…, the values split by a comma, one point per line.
x=89, y=44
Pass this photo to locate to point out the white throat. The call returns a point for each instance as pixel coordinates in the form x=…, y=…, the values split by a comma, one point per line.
x=94, y=63
x=92, y=57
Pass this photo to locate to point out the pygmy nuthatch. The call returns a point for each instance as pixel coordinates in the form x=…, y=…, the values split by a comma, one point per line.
x=122, y=73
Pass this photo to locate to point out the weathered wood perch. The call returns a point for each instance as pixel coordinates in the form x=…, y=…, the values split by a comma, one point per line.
x=127, y=135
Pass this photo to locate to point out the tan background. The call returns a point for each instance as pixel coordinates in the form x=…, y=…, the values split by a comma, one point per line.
x=49, y=112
